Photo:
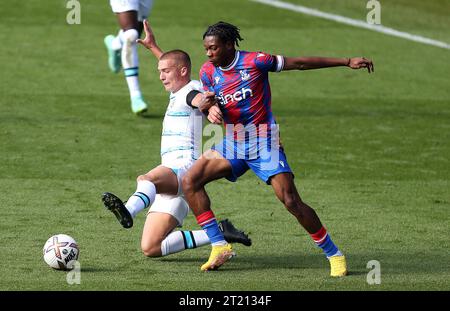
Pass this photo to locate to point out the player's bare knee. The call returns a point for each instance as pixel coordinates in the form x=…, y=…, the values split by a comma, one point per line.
x=148, y=177
x=288, y=198
x=151, y=253
x=151, y=250
x=292, y=203
x=187, y=183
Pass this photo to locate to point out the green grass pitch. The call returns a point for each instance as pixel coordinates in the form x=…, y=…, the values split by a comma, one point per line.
x=370, y=152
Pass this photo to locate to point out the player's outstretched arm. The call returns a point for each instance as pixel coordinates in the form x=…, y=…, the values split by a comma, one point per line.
x=149, y=41
x=306, y=63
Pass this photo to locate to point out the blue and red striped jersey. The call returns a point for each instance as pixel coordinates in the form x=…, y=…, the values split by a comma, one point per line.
x=242, y=88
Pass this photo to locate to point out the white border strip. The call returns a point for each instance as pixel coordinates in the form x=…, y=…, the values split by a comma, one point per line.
x=353, y=22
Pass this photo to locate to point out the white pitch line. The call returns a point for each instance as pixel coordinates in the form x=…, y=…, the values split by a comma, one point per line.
x=353, y=22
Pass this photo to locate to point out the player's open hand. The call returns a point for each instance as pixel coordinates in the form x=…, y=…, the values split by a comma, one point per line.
x=361, y=62
x=149, y=40
x=215, y=115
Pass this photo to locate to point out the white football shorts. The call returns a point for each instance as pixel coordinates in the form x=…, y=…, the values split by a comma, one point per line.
x=171, y=204
x=143, y=7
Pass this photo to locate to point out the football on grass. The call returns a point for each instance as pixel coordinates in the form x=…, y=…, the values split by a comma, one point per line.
x=60, y=252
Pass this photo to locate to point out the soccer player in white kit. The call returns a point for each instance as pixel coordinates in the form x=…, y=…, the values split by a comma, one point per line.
x=122, y=48
x=160, y=188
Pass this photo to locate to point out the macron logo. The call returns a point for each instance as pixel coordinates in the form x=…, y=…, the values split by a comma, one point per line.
x=236, y=97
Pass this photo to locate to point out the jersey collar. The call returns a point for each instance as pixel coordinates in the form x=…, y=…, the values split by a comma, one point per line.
x=182, y=88
x=233, y=63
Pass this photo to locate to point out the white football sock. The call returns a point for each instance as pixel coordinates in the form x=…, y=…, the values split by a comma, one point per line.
x=130, y=61
x=142, y=198
x=337, y=254
x=133, y=86
x=181, y=240
x=219, y=243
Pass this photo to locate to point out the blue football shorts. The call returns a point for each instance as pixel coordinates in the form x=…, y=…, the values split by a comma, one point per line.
x=265, y=164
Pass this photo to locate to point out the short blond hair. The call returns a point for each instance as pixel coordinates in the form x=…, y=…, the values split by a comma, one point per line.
x=180, y=56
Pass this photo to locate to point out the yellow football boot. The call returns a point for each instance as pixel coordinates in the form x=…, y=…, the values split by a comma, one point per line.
x=219, y=255
x=338, y=266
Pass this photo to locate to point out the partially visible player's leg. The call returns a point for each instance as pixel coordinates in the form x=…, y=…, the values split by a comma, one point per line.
x=209, y=167
x=128, y=13
x=128, y=19
x=128, y=22
x=285, y=190
x=114, y=43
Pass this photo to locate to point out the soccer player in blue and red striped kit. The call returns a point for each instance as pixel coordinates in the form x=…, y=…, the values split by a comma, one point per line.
x=240, y=82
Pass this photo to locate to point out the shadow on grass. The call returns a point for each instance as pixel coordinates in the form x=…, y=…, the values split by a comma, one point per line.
x=95, y=269
x=390, y=263
x=148, y=115
x=266, y=261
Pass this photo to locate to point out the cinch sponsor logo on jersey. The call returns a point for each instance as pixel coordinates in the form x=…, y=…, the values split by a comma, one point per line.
x=242, y=94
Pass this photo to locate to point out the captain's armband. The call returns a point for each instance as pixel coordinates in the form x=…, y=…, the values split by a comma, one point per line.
x=190, y=97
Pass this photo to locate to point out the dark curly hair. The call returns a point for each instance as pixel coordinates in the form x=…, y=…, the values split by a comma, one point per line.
x=225, y=31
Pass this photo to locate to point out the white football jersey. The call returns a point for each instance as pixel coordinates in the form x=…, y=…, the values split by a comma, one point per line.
x=182, y=129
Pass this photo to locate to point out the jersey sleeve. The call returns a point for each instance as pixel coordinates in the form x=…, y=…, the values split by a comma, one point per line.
x=197, y=85
x=268, y=62
x=205, y=79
